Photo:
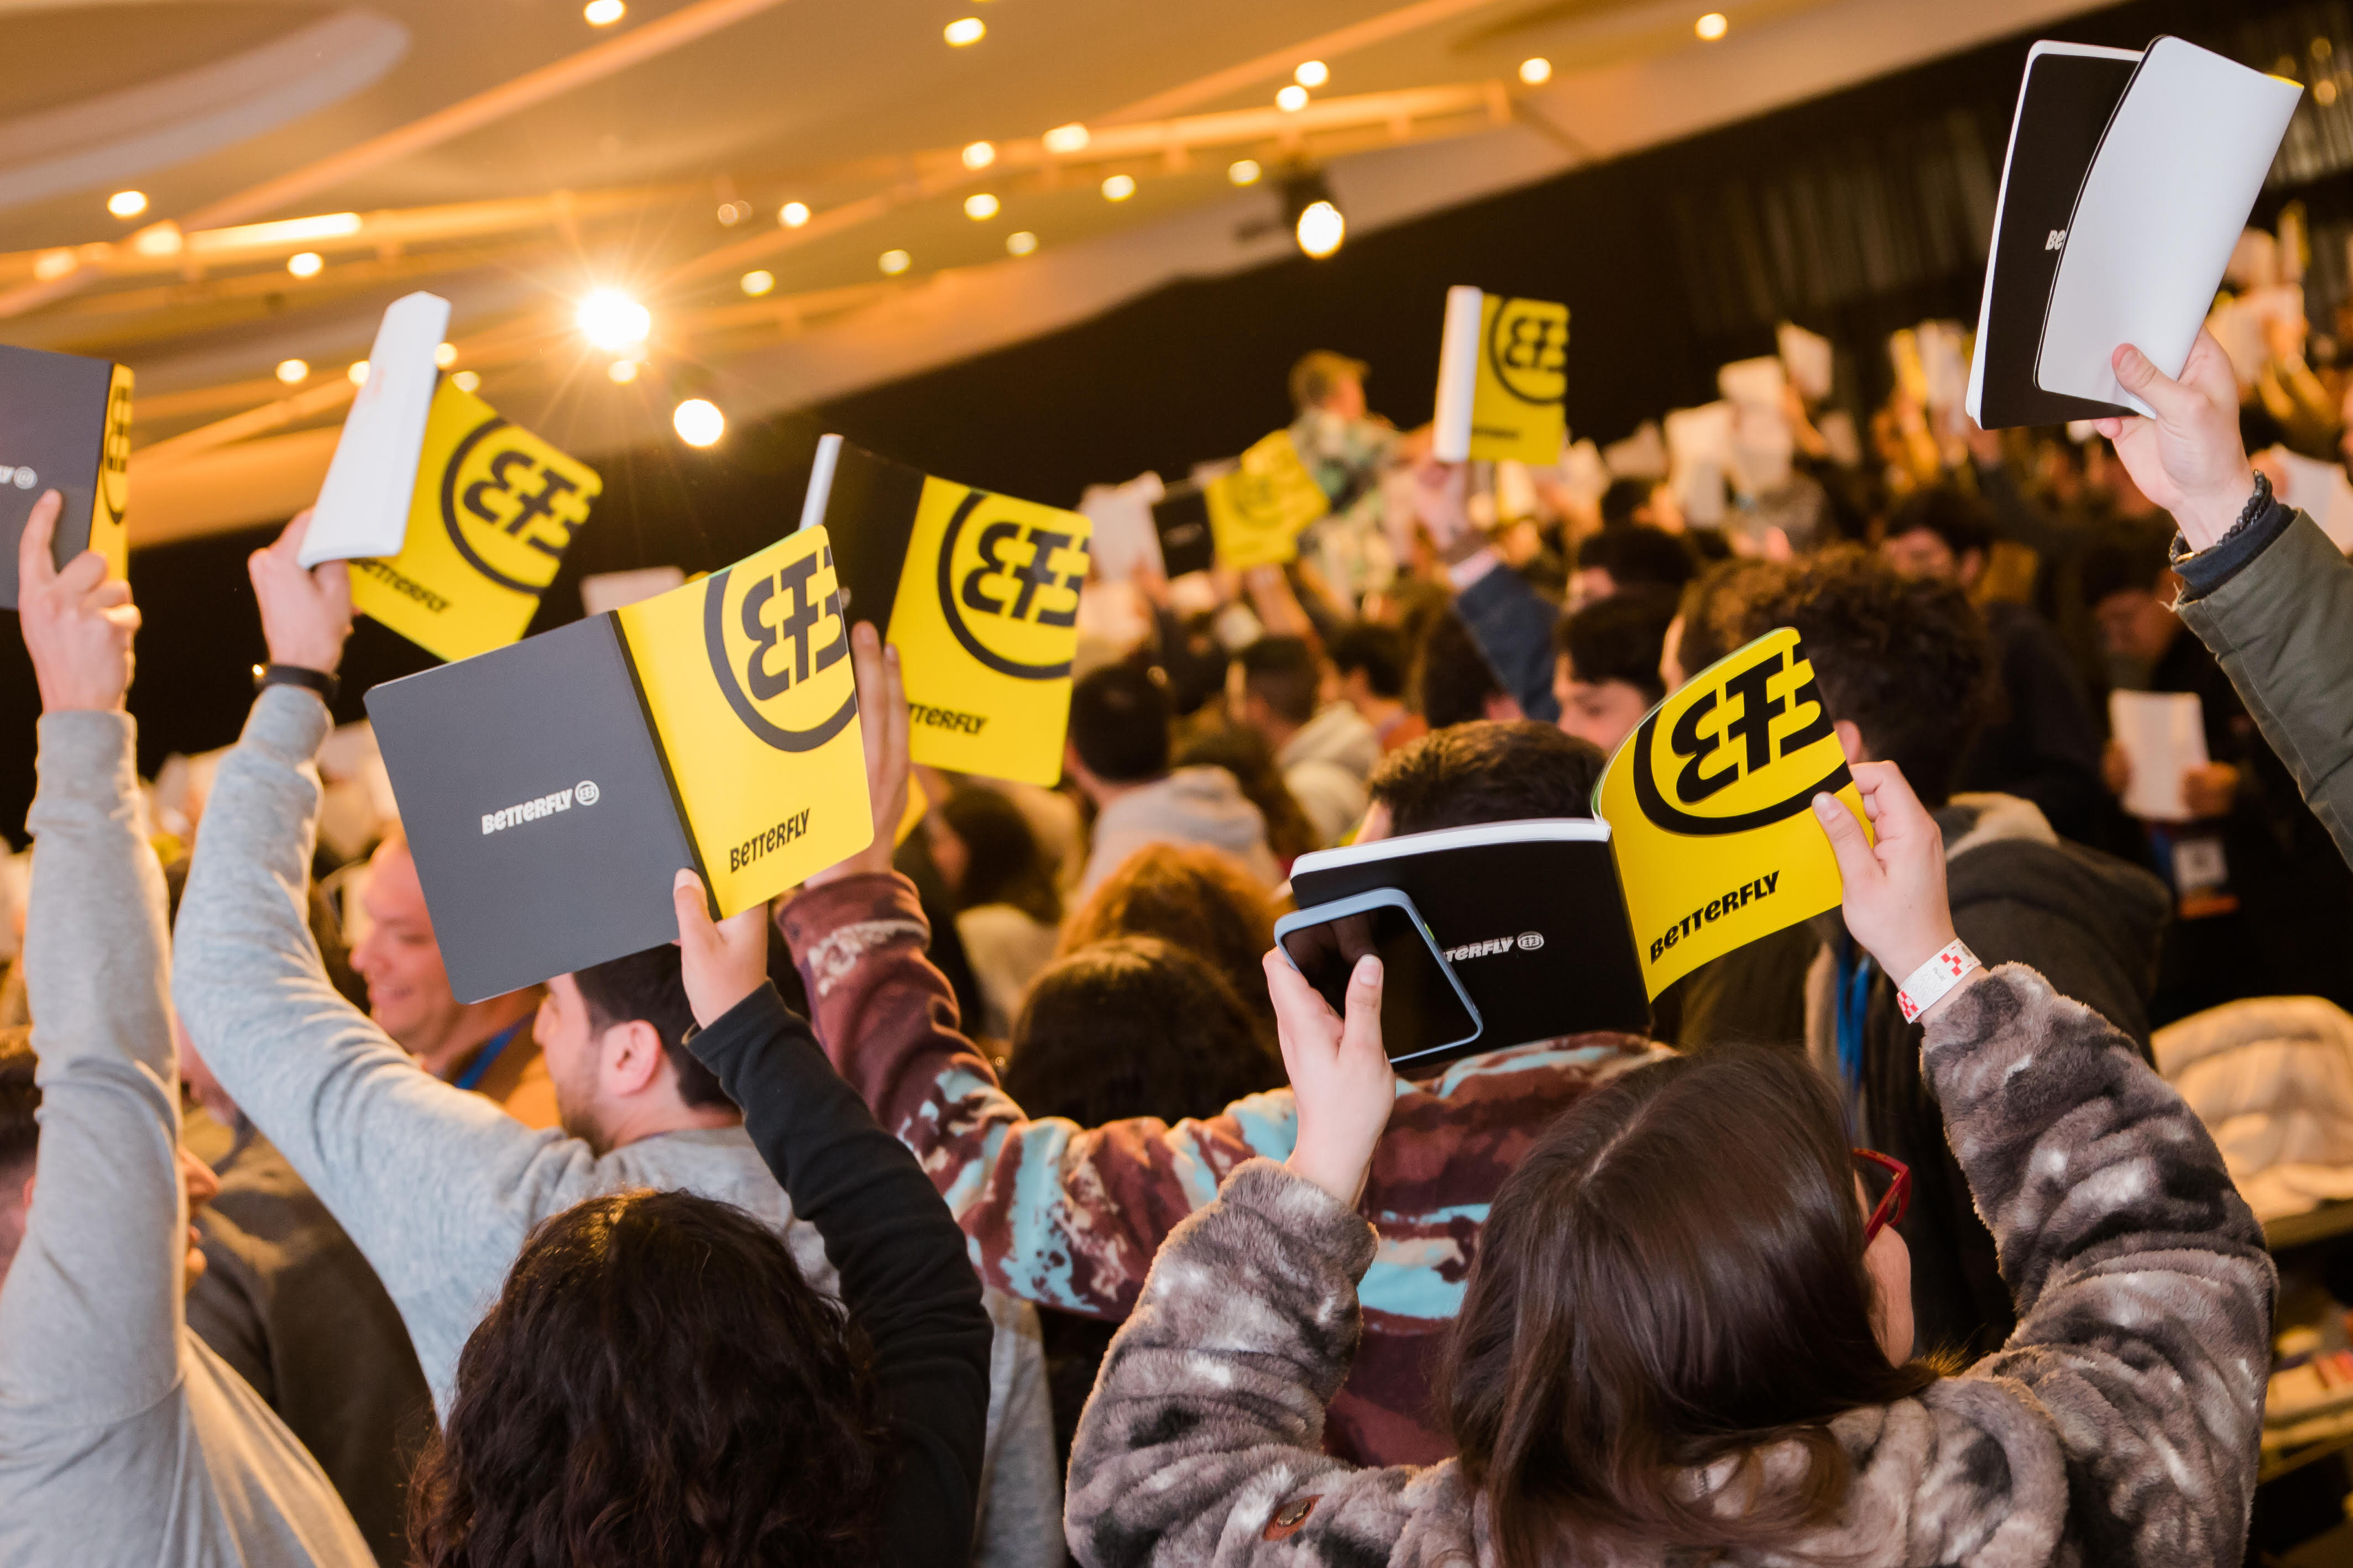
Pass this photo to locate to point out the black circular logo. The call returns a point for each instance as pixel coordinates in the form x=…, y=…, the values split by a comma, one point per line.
x=1006, y=611
x=1741, y=744
x=1527, y=348
x=757, y=658
x=508, y=513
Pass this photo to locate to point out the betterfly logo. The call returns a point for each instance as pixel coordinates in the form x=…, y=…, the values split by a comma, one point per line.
x=779, y=646
x=510, y=503
x=1008, y=587
x=1744, y=747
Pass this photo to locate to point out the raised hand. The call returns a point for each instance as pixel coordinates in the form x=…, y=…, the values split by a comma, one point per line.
x=2190, y=459
x=882, y=718
x=306, y=612
x=721, y=961
x=78, y=622
x=1896, y=903
x=1340, y=1076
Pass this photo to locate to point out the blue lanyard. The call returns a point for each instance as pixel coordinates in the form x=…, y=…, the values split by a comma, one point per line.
x=1853, y=1009
x=488, y=1054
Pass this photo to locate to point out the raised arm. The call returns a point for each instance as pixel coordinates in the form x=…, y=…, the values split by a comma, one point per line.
x=89, y=1313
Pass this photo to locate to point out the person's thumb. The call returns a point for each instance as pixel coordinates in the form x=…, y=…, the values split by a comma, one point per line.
x=1361, y=1029
x=2139, y=374
x=696, y=933
x=1856, y=862
x=34, y=565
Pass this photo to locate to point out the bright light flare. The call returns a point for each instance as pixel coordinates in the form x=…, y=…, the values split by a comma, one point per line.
x=1321, y=229
x=622, y=371
x=358, y=373
x=1064, y=140
x=698, y=422
x=1021, y=242
x=894, y=262
x=127, y=203
x=792, y=215
x=1312, y=73
x=758, y=283
x=465, y=381
x=445, y=354
x=1119, y=187
x=611, y=320
x=1536, y=70
x=305, y=263
x=1244, y=172
x=604, y=13
x=1292, y=98
x=962, y=31
x=979, y=206
x=979, y=154
x=293, y=371
x=1712, y=26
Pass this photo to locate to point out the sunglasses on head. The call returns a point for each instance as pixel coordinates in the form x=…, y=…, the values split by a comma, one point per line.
x=1890, y=1180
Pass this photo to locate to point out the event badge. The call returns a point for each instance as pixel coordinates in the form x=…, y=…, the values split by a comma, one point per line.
x=493, y=509
x=1257, y=510
x=1710, y=806
x=1502, y=372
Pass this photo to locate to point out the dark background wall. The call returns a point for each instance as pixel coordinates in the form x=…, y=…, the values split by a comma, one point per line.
x=1852, y=215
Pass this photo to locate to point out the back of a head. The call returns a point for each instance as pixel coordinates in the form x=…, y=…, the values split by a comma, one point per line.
x=1379, y=651
x=1452, y=679
x=1960, y=519
x=1673, y=1274
x=1638, y=556
x=1622, y=500
x=1282, y=672
x=1003, y=864
x=1487, y=772
x=1192, y=897
x=1619, y=638
x=1906, y=660
x=656, y=1384
x=647, y=985
x=1119, y=724
x=1316, y=374
x=1136, y=1026
x=2127, y=556
x=1245, y=754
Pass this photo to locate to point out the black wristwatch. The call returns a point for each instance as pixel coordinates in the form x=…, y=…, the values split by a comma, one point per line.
x=265, y=676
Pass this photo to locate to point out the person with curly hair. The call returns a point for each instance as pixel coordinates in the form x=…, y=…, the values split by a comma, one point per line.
x=1192, y=897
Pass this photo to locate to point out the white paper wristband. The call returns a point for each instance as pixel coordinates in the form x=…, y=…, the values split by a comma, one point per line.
x=1926, y=985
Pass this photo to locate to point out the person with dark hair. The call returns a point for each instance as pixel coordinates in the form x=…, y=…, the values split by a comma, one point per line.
x=1067, y=1215
x=1905, y=670
x=1373, y=662
x=1325, y=751
x=1618, y=559
x=1245, y=755
x=439, y=1189
x=1192, y=897
x=1118, y=754
x=123, y=1438
x=1684, y=1333
x=1627, y=503
x=1007, y=910
x=2040, y=742
x=1452, y=682
x=1607, y=676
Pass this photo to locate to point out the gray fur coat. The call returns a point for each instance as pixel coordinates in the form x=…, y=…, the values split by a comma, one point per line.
x=2118, y=1425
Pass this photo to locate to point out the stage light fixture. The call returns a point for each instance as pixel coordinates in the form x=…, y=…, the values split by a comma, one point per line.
x=1536, y=70
x=1312, y=214
x=357, y=374
x=622, y=370
x=609, y=319
x=698, y=422
x=1021, y=242
x=604, y=13
x=1292, y=98
x=962, y=31
x=979, y=154
x=127, y=203
x=465, y=381
x=1312, y=73
x=979, y=205
x=305, y=263
x=1119, y=187
x=294, y=371
x=1067, y=139
x=792, y=215
x=445, y=355
x=756, y=284
x=1712, y=26
x=1244, y=172
x=895, y=262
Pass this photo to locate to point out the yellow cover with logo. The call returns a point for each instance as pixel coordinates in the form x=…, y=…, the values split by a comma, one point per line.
x=494, y=509
x=1503, y=371
x=1257, y=511
x=1709, y=804
x=747, y=678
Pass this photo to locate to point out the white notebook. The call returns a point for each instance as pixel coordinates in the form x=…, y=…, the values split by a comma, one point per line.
x=363, y=507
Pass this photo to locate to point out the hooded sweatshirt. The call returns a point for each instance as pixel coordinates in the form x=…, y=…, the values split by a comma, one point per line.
x=1326, y=763
x=1191, y=805
x=2090, y=924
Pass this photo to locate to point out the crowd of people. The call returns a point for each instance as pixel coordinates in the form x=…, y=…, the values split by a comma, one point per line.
x=999, y=1196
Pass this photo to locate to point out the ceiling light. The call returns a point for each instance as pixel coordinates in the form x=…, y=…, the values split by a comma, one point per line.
x=1292, y=98
x=127, y=203
x=53, y=264
x=978, y=206
x=1711, y=26
x=1535, y=71
x=732, y=213
x=758, y=283
x=1321, y=228
x=465, y=381
x=698, y=422
x=622, y=370
x=305, y=263
x=445, y=355
x=611, y=320
x=1065, y=138
x=1021, y=242
x=979, y=154
x=792, y=215
x=962, y=31
x=895, y=262
x=1312, y=73
x=604, y=13
x=291, y=371
x=1119, y=187
x=1244, y=172
x=159, y=239
x=283, y=231
x=357, y=372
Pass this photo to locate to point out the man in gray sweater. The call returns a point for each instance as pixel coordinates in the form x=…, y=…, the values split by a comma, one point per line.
x=122, y=1438
x=440, y=1187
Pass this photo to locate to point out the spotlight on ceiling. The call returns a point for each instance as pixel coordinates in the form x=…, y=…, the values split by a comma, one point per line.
x=1244, y=172
x=127, y=203
x=1021, y=242
x=1313, y=216
x=611, y=320
x=604, y=13
x=445, y=354
x=1119, y=187
x=1712, y=26
x=1312, y=73
x=305, y=263
x=979, y=205
x=1067, y=139
x=894, y=262
x=465, y=381
x=792, y=215
x=979, y=154
x=291, y=371
x=698, y=422
x=622, y=372
x=962, y=31
x=1292, y=98
x=358, y=373
x=1536, y=70
x=759, y=282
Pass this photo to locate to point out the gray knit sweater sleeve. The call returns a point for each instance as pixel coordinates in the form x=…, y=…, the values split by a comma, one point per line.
x=436, y=1186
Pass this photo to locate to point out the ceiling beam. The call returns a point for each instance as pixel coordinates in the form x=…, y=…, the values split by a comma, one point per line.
x=1281, y=62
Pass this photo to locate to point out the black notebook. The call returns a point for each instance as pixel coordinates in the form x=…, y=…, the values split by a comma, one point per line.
x=1529, y=914
x=65, y=425
x=1181, y=519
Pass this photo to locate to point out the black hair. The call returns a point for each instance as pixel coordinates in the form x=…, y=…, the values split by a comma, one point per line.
x=1618, y=638
x=1379, y=651
x=1003, y=862
x=646, y=986
x=1961, y=520
x=1623, y=498
x=2124, y=557
x=1637, y=556
x=1119, y=723
x=1283, y=672
x=1487, y=772
x=20, y=1101
x=1451, y=677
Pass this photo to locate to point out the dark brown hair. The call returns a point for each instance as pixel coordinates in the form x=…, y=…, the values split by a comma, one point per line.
x=1672, y=1277
x=1003, y=864
x=20, y=1101
x=648, y=987
x=1487, y=770
x=1246, y=754
x=1192, y=897
x=656, y=1386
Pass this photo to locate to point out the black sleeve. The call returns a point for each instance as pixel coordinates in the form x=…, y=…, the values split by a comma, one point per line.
x=905, y=1276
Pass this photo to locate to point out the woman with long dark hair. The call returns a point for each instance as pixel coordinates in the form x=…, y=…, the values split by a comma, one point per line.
x=1687, y=1335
